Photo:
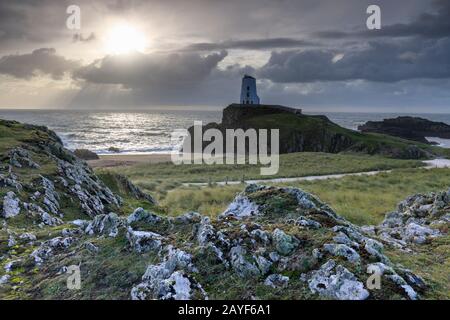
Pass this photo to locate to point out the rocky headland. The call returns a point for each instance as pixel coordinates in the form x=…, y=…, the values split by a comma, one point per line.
x=411, y=128
x=316, y=133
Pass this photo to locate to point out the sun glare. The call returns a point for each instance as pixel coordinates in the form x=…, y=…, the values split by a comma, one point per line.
x=124, y=39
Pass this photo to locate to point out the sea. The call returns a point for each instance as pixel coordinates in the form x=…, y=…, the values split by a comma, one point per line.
x=149, y=131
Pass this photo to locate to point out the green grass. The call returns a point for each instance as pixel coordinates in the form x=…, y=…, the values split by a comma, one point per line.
x=166, y=176
x=360, y=199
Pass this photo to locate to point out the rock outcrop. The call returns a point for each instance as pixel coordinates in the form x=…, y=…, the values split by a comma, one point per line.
x=411, y=128
x=53, y=175
x=417, y=220
x=312, y=133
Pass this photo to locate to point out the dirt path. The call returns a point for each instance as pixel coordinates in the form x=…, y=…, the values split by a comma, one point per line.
x=436, y=163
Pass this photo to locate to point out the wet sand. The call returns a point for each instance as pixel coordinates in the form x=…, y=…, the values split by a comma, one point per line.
x=115, y=160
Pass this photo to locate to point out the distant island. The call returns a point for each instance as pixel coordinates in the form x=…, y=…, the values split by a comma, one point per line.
x=411, y=128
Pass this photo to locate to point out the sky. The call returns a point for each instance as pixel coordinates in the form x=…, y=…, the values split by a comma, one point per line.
x=314, y=54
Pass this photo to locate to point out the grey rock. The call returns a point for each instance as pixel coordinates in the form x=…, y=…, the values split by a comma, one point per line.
x=205, y=232
x=51, y=197
x=48, y=248
x=144, y=241
x=241, y=207
x=264, y=264
x=241, y=264
x=189, y=217
x=308, y=223
x=336, y=282
x=44, y=216
x=284, y=243
x=274, y=256
x=276, y=281
x=11, y=205
x=104, y=224
x=261, y=236
x=91, y=247
x=141, y=215
x=342, y=250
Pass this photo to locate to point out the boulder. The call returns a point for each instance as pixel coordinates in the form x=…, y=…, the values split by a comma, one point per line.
x=333, y=281
x=104, y=224
x=141, y=215
x=144, y=241
x=86, y=154
x=284, y=243
x=276, y=281
x=242, y=264
x=11, y=205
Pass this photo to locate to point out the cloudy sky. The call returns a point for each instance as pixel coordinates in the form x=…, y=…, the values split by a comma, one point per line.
x=317, y=54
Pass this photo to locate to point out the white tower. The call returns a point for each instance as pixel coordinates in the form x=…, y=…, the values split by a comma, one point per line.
x=248, y=91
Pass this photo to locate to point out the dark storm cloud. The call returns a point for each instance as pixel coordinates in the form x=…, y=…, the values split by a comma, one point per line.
x=433, y=24
x=146, y=70
x=380, y=61
x=44, y=60
x=250, y=44
x=79, y=37
x=34, y=21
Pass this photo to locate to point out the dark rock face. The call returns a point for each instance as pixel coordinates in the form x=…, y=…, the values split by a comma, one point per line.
x=86, y=154
x=310, y=133
x=411, y=128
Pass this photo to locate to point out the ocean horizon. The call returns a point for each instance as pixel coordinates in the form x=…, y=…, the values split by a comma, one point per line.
x=149, y=131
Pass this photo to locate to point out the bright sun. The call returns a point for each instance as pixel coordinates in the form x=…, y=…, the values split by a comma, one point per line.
x=124, y=39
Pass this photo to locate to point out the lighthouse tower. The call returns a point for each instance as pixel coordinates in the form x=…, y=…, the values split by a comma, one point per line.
x=248, y=91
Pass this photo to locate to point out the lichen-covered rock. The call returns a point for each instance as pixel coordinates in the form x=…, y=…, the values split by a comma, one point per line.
x=283, y=242
x=170, y=280
x=261, y=236
x=177, y=286
x=342, y=250
x=144, y=241
x=106, y=224
x=206, y=232
x=308, y=223
x=406, y=283
x=187, y=218
x=92, y=194
x=242, y=264
x=179, y=259
x=141, y=215
x=48, y=248
x=264, y=264
x=416, y=220
x=46, y=218
x=11, y=205
x=19, y=157
x=241, y=207
x=333, y=281
x=9, y=179
x=276, y=281
x=51, y=197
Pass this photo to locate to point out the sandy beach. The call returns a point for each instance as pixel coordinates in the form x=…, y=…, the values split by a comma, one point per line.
x=115, y=160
